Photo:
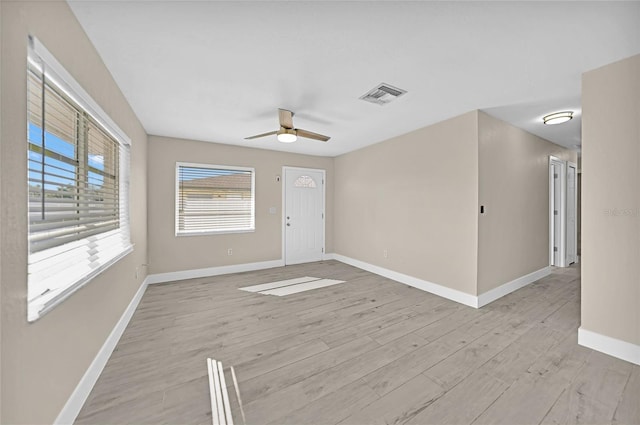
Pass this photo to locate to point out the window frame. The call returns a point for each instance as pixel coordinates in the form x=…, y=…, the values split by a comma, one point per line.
x=47, y=290
x=209, y=232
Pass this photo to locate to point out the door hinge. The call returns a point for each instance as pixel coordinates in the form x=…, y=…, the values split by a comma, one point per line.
x=323, y=216
x=555, y=212
x=555, y=175
x=323, y=250
x=555, y=249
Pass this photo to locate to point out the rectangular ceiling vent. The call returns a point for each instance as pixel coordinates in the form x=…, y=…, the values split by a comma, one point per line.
x=382, y=94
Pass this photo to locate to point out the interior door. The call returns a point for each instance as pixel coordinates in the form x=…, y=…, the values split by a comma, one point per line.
x=303, y=215
x=572, y=228
x=556, y=211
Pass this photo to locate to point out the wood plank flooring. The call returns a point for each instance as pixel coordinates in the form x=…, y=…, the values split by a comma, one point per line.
x=369, y=351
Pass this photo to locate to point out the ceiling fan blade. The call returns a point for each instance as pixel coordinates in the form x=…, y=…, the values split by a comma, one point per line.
x=311, y=135
x=261, y=135
x=286, y=118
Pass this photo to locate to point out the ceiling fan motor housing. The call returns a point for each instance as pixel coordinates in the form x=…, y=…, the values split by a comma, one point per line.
x=284, y=130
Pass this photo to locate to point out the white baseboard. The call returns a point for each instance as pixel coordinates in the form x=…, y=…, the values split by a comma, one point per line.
x=434, y=288
x=614, y=347
x=77, y=399
x=443, y=291
x=212, y=271
x=514, y=285
x=75, y=402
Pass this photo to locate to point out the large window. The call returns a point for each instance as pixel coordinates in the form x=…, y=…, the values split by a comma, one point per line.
x=77, y=182
x=214, y=199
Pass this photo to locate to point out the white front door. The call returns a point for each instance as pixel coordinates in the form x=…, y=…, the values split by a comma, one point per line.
x=303, y=215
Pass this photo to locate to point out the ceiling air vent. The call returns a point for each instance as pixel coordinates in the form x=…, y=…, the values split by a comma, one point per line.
x=382, y=94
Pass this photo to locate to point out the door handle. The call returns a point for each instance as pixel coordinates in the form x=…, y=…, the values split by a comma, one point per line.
x=288, y=224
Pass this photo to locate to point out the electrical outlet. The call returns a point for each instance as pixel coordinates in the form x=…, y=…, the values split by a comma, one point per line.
x=230, y=251
x=385, y=254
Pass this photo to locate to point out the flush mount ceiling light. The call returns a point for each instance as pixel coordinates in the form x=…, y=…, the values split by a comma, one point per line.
x=557, y=117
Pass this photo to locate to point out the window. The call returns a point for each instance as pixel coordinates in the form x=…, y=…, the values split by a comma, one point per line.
x=305, y=181
x=214, y=199
x=78, y=168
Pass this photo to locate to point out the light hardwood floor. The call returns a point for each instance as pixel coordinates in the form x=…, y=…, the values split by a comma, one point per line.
x=370, y=351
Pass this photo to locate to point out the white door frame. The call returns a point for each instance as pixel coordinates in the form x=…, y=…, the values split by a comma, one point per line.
x=284, y=207
x=575, y=212
x=561, y=210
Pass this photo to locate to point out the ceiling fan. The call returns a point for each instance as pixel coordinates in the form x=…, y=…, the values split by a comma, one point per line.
x=288, y=134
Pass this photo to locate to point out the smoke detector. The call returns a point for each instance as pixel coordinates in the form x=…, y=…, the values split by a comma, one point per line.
x=382, y=94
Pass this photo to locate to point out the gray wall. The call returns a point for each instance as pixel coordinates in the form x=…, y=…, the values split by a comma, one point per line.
x=415, y=196
x=418, y=197
x=513, y=234
x=42, y=362
x=169, y=253
x=611, y=200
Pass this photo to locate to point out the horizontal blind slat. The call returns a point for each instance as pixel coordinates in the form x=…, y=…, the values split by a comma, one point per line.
x=61, y=240
x=212, y=199
x=77, y=182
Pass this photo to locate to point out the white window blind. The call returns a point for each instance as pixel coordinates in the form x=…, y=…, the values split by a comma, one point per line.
x=78, y=179
x=214, y=199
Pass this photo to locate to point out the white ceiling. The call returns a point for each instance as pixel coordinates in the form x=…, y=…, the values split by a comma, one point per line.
x=217, y=71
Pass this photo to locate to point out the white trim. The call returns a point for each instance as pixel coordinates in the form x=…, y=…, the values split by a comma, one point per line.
x=434, y=288
x=212, y=271
x=329, y=256
x=57, y=73
x=55, y=273
x=520, y=282
x=575, y=211
x=614, y=347
x=562, y=210
x=283, y=180
x=443, y=291
x=72, y=407
x=39, y=306
x=209, y=232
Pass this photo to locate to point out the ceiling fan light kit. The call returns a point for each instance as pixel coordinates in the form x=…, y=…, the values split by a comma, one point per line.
x=557, y=117
x=288, y=134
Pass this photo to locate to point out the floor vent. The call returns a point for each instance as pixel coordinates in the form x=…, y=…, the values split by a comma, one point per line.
x=382, y=94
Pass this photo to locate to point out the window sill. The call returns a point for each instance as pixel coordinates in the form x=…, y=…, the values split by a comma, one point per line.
x=214, y=232
x=43, y=304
